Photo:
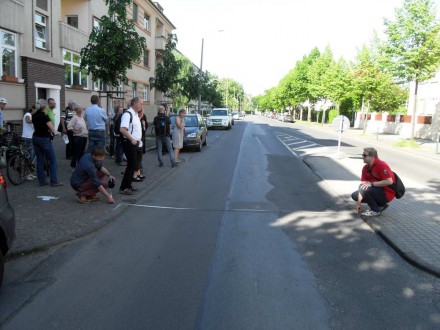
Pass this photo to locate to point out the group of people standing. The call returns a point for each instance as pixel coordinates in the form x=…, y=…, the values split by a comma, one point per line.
x=87, y=128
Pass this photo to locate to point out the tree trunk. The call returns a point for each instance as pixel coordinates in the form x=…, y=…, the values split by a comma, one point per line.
x=414, y=118
x=366, y=116
x=309, y=113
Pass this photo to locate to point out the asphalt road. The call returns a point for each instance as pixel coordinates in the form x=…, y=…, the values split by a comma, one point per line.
x=242, y=236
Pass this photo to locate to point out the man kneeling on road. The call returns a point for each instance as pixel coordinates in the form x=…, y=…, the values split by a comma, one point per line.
x=374, y=189
x=89, y=177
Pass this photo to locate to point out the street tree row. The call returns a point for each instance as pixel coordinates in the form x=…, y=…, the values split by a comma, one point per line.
x=378, y=78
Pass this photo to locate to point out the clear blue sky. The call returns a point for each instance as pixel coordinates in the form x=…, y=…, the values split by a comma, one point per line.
x=261, y=41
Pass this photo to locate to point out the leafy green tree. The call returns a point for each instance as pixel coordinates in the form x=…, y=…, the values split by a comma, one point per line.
x=301, y=81
x=336, y=83
x=373, y=88
x=112, y=48
x=210, y=91
x=412, y=51
x=167, y=71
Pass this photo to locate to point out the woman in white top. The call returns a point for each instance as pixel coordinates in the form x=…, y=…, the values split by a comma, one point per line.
x=80, y=133
x=28, y=131
x=178, y=132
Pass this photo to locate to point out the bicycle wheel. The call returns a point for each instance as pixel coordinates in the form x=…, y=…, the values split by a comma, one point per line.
x=16, y=169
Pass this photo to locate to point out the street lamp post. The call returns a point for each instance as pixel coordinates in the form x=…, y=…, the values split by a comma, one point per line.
x=200, y=79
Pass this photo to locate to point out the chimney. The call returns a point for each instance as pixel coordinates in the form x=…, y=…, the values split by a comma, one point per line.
x=159, y=7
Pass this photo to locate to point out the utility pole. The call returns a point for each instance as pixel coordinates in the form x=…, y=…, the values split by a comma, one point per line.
x=200, y=80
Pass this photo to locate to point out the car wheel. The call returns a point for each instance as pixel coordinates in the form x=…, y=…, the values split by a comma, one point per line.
x=199, y=147
x=206, y=141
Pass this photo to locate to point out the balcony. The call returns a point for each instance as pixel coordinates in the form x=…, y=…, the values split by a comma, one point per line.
x=72, y=38
x=160, y=43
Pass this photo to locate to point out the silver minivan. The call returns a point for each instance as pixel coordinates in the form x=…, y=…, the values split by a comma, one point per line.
x=7, y=225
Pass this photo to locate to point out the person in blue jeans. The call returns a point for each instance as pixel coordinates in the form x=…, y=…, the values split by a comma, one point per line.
x=42, y=140
x=162, y=128
x=96, y=119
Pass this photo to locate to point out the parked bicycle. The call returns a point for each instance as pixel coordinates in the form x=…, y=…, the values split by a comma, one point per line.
x=19, y=165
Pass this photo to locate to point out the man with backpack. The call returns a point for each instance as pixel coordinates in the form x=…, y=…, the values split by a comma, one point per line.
x=162, y=128
x=376, y=187
x=119, y=153
x=131, y=134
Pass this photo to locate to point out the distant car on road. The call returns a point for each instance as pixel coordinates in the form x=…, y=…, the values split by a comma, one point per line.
x=7, y=225
x=235, y=115
x=196, y=132
x=288, y=118
x=220, y=117
x=242, y=114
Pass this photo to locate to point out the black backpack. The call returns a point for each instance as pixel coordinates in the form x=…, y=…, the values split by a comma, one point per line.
x=117, y=126
x=160, y=126
x=398, y=186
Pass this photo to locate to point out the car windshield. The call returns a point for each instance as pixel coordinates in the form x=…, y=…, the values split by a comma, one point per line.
x=219, y=113
x=191, y=121
x=235, y=113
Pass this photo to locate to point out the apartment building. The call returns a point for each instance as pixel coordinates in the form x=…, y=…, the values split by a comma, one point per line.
x=41, y=41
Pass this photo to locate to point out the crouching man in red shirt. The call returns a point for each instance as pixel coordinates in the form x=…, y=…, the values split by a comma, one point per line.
x=374, y=189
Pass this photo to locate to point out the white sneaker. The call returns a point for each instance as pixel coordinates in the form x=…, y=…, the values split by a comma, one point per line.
x=30, y=177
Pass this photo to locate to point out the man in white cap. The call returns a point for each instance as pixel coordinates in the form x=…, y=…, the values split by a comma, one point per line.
x=3, y=103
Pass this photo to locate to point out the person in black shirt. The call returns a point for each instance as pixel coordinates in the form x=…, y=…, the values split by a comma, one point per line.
x=42, y=140
x=162, y=128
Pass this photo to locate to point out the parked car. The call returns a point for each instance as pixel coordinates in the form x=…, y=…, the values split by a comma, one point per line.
x=242, y=114
x=235, y=115
x=7, y=225
x=220, y=117
x=196, y=132
x=288, y=118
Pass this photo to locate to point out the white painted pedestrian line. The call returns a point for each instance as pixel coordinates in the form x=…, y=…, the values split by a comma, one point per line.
x=288, y=148
x=293, y=143
x=307, y=146
x=312, y=151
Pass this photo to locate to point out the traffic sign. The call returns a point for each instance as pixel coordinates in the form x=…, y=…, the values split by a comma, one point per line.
x=341, y=123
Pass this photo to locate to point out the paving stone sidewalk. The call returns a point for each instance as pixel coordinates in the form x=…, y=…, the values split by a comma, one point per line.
x=410, y=225
x=43, y=223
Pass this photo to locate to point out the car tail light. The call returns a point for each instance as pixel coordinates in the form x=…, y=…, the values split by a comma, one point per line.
x=3, y=181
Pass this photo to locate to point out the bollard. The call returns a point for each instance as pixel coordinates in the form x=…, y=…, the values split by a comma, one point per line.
x=436, y=146
x=377, y=134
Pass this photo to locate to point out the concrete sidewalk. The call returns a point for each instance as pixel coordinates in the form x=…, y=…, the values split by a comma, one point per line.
x=47, y=215
x=410, y=225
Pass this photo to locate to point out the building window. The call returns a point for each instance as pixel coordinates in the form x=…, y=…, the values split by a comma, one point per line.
x=146, y=22
x=134, y=89
x=8, y=51
x=72, y=21
x=96, y=23
x=146, y=57
x=145, y=94
x=98, y=85
x=40, y=31
x=73, y=75
x=120, y=89
x=135, y=12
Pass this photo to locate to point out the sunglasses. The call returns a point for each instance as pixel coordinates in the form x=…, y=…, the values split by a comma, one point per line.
x=364, y=155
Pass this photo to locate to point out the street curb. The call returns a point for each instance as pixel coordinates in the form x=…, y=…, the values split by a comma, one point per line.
x=409, y=257
x=119, y=208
